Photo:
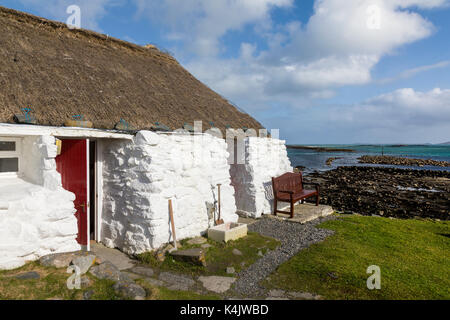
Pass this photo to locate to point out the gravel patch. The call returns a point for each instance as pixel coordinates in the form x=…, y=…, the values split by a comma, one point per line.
x=293, y=237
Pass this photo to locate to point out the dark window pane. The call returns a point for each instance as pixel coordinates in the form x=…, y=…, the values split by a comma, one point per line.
x=7, y=146
x=9, y=164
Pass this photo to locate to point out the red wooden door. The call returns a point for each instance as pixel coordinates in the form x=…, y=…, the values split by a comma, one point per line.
x=72, y=165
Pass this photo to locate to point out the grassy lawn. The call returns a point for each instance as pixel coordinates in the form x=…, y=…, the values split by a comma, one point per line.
x=414, y=257
x=51, y=285
x=218, y=257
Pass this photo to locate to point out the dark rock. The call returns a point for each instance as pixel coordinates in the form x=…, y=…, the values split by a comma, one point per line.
x=390, y=192
x=57, y=260
x=194, y=255
x=85, y=282
x=87, y=295
x=28, y=275
x=402, y=161
x=106, y=270
x=129, y=290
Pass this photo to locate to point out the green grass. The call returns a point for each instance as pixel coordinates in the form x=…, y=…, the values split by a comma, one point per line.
x=51, y=285
x=414, y=257
x=218, y=257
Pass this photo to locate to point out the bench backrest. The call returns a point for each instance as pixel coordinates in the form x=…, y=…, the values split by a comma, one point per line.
x=289, y=181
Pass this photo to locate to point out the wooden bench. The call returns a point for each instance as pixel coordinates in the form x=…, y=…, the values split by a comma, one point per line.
x=289, y=188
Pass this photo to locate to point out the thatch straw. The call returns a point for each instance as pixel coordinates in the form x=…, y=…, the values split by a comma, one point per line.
x=60, y=73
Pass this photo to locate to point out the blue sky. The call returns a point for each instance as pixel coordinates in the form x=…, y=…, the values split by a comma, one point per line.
x=324, y=71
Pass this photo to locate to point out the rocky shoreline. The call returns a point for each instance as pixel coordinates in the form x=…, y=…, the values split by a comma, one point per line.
x=402, y=161
x=389, y=192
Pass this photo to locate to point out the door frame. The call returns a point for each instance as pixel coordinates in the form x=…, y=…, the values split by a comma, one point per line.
x=98, y=185
x=88, y=200
x=98, y=189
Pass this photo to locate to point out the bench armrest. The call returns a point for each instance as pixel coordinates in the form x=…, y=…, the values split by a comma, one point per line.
x=283, y=191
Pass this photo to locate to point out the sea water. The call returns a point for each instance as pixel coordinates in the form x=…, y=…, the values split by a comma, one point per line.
x=314, y=160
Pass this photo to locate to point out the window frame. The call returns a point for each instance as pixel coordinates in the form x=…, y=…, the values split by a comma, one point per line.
x=12, y=154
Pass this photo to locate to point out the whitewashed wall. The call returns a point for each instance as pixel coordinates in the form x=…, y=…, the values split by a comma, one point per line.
x=36, y=213
x=264, y=158
x=140, y=177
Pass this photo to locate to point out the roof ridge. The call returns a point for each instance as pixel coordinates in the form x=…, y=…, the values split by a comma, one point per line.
x=39, y=21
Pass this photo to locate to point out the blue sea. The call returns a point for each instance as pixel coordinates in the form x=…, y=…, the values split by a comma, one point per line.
x=314, y=160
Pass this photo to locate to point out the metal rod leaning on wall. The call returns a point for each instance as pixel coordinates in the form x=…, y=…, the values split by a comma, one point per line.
x=219, y=220
x=172, y=222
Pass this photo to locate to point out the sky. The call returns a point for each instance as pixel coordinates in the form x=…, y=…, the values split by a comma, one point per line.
x=323, y=71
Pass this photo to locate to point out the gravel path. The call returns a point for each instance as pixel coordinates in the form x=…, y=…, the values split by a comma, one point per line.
x=293, y=237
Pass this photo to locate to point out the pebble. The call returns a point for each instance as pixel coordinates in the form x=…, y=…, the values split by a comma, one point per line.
x=237, y=252
x=231, y=270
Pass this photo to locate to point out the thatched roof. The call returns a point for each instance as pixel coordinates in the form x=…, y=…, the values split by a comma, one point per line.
x=60, y=73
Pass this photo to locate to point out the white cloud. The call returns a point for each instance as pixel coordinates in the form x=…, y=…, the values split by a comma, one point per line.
x=201, y=23
x=414, y=71
x=334, y=48
x=403, y=108
x=402, y=116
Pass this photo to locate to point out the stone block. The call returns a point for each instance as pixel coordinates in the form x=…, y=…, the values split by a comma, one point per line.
x=227, y=231
x=195, y=256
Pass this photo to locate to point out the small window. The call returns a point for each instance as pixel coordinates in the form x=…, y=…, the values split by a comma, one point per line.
x=9, y=156
x=7, y=146
x=9, y=164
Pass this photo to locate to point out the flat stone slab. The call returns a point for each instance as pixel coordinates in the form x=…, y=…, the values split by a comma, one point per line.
x=32, y=275
x=177, y=281
x=304, y=296
x=247, y=220
x=194, y=255
x=106, y=270
x=116, y=257
x=305, y=212
x=58, y=260
x=130, y=275
x=197, y=240
x=217, y=284
x=277, y=293
x=130, y=290
x=142, y=271
x=155, y=282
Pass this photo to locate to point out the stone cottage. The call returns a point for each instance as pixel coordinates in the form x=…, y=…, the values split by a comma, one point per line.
x=90, y=151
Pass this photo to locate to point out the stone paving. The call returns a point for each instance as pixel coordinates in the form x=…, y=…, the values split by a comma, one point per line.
x=116, y=257
x=304, y=213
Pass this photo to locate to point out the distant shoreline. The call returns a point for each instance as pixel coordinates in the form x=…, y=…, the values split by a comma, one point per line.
x=319, y=149
x=402, y=161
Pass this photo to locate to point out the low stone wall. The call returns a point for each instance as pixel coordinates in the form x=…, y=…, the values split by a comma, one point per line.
x=36, y=213
x=141, y=176
x=264, y=158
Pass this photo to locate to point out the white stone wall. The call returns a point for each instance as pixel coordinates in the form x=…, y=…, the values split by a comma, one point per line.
x=36, y=213
x=141, y=176
x=264, y=158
